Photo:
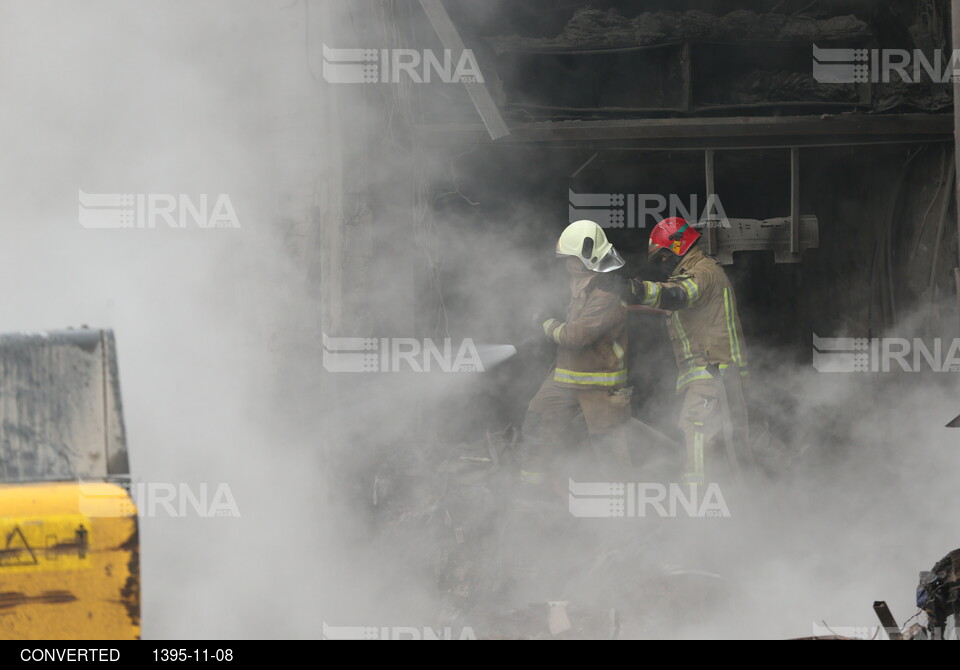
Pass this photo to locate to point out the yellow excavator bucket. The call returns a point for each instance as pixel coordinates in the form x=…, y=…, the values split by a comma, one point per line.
x=69, y=551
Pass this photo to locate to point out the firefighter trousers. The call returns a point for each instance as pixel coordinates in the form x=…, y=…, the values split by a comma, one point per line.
x=560, y=416
x=714, y=422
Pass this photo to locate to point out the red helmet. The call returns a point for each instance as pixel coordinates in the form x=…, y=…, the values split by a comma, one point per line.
x=674, y=234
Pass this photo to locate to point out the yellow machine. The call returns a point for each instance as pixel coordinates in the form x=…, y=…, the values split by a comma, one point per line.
x=69, y=551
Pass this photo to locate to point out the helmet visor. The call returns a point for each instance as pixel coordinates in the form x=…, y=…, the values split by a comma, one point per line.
x=612, y=261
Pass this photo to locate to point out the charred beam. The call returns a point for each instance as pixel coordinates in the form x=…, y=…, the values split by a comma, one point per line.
x=479, y=94
x=730, y=132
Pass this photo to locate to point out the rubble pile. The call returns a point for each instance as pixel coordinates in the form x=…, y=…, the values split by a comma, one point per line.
x=591, y=28
x=777, y=85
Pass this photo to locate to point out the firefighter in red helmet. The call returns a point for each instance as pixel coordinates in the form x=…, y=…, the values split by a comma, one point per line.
x=708, y=345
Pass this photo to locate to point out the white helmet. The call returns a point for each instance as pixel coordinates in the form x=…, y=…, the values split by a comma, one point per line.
x=585, y=240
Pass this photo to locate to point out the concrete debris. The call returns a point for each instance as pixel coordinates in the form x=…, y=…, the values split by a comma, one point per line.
x=938, y=595
x=549, y=621
x=898, y=94
x=591, y=28
x=764, y=86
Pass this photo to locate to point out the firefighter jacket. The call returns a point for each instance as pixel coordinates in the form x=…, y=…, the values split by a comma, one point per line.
x=703, y=323
x=592, y=350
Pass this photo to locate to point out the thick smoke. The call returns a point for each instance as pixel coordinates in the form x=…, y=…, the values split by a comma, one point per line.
x=174, y=98
x=836, y=524
x=219, y=337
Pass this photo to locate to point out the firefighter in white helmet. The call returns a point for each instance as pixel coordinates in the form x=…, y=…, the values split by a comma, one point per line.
x=590, y=375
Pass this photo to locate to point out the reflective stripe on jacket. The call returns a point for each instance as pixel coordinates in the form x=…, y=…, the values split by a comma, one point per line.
x=593, y=339
x=706, y=329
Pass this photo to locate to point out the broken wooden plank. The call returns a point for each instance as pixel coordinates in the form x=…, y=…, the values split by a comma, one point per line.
x=794, y=200
x=887, y=620
x=955, y=32
x=478, y=92
x=711, y=190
